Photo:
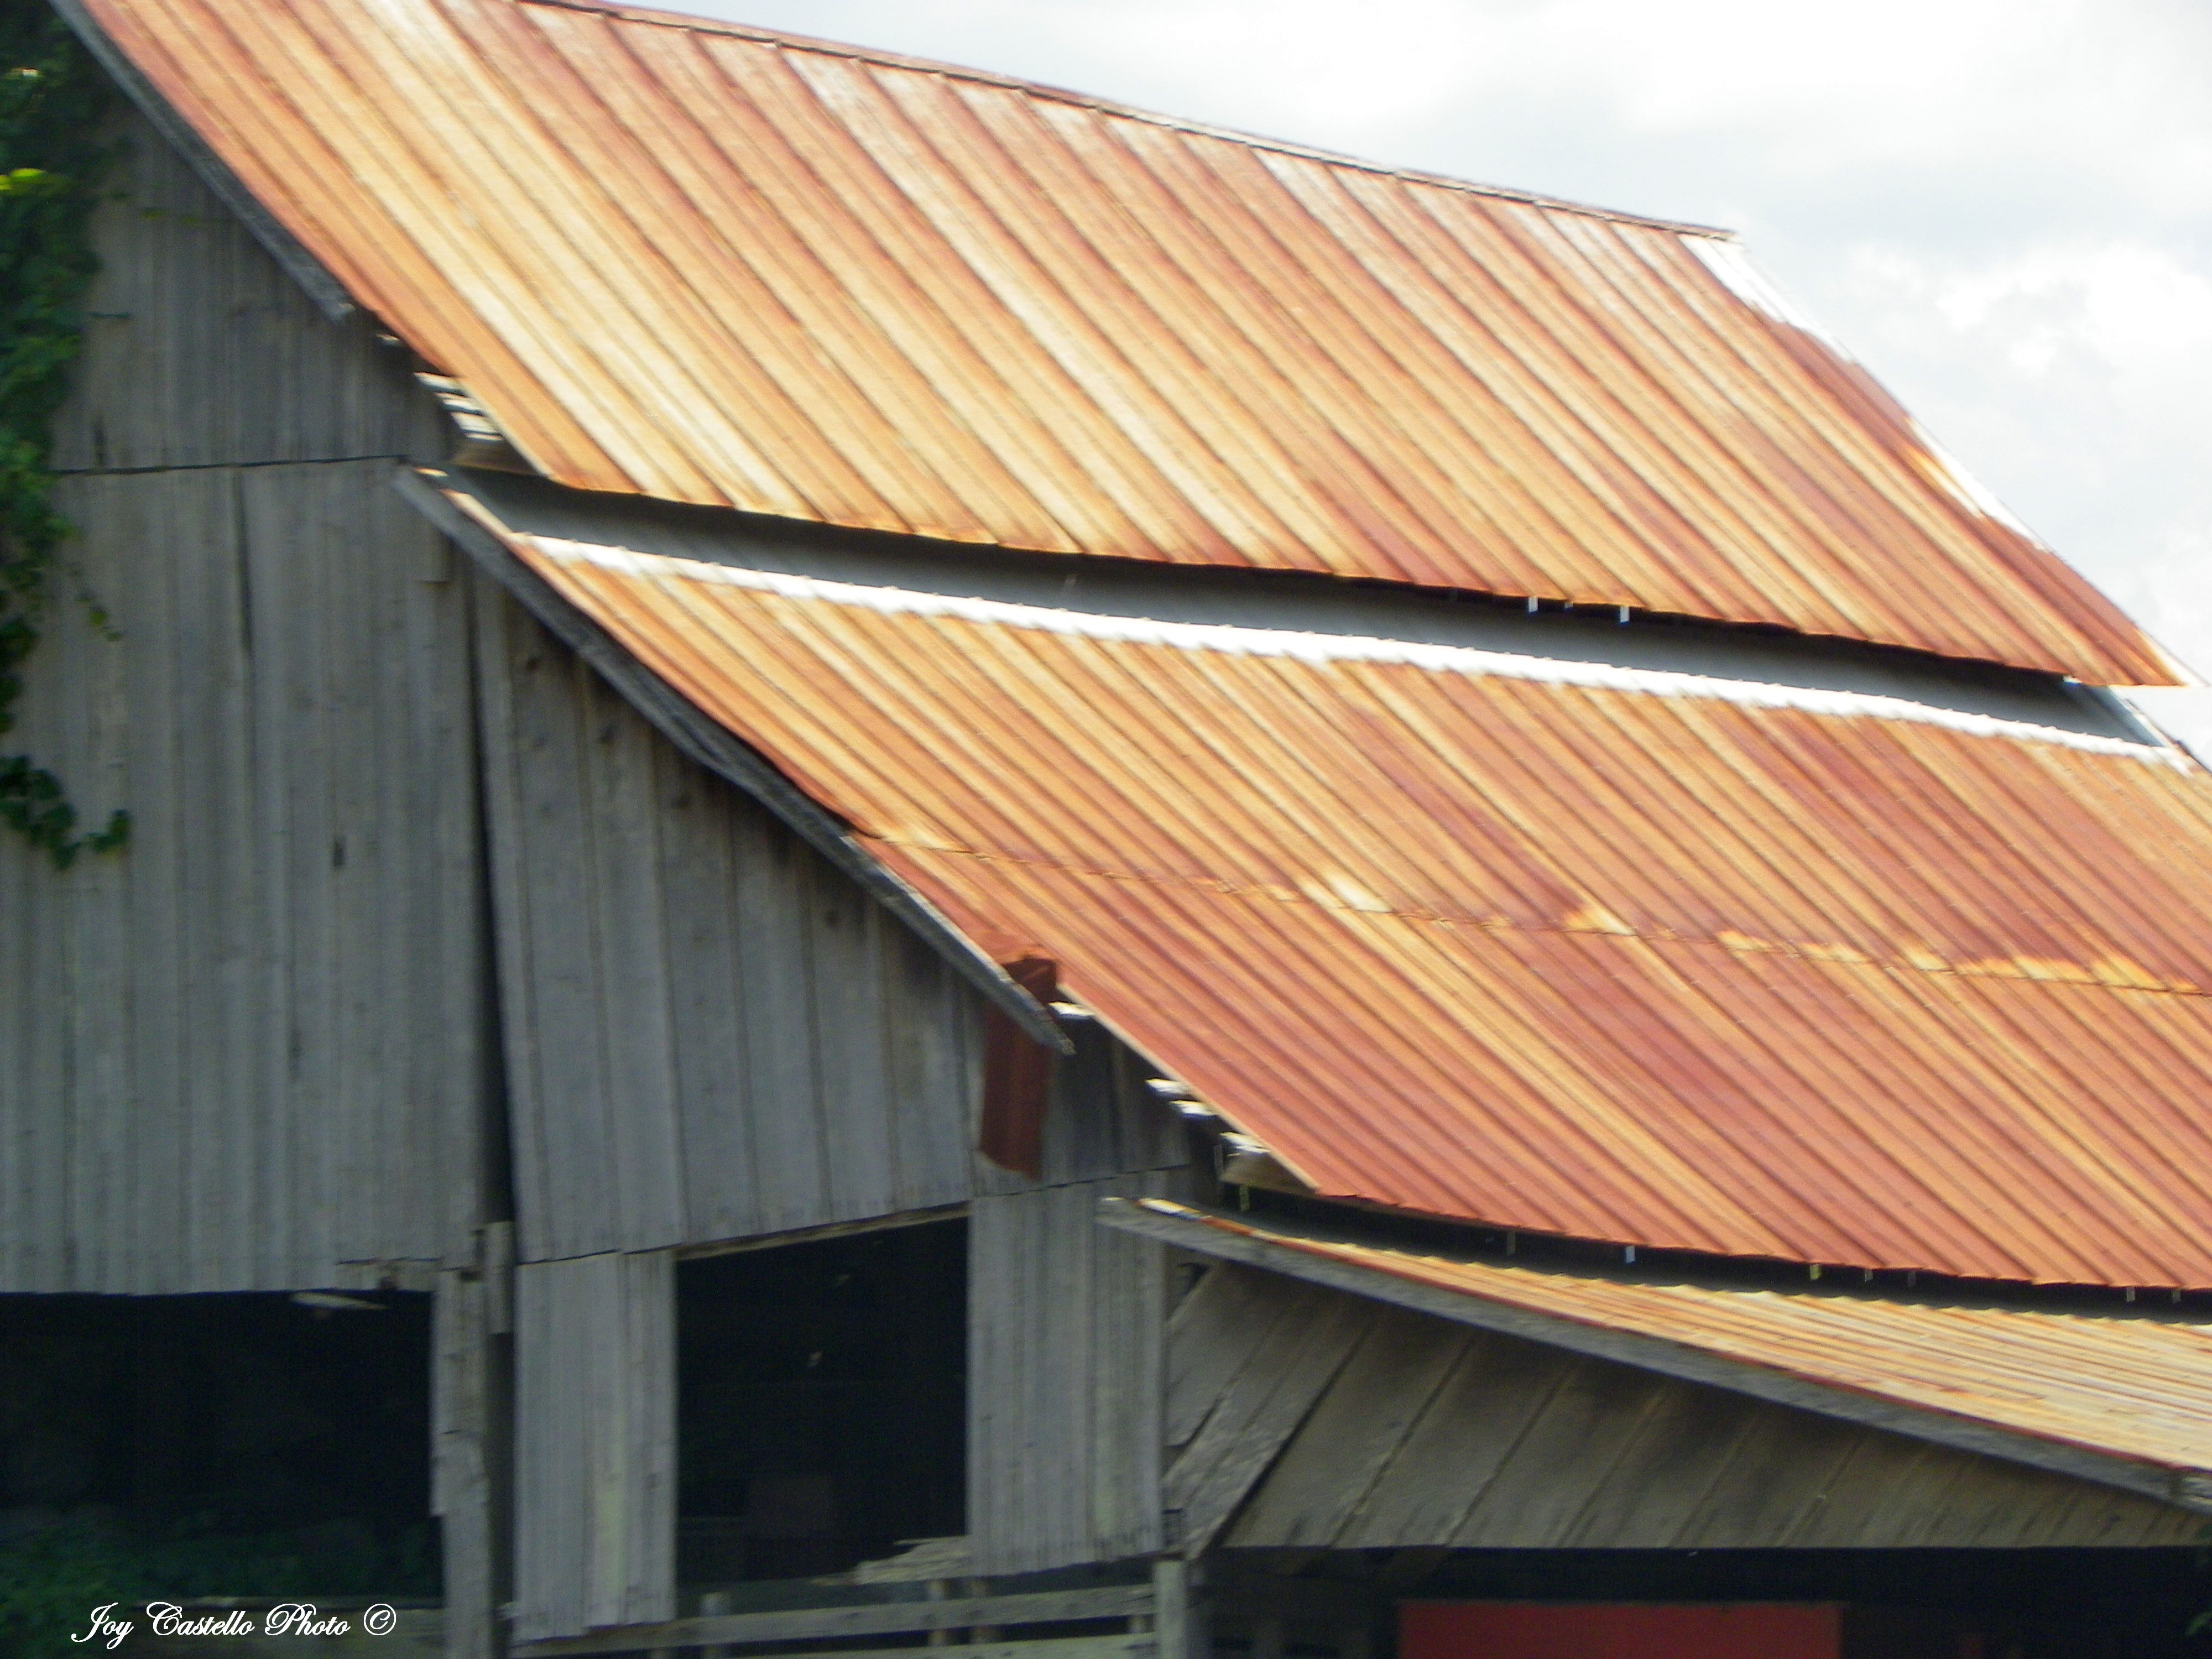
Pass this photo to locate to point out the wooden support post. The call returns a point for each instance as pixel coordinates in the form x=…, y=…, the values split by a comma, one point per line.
x=464, y=1463
x=1179, y=1611
x=981, y=1633
x=939, y=1589
x=715, y=1602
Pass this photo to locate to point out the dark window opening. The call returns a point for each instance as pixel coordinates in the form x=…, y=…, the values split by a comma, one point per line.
x=821, y=1403
x=243, y=1445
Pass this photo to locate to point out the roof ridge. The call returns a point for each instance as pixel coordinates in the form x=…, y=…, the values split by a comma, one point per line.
x=656, y=17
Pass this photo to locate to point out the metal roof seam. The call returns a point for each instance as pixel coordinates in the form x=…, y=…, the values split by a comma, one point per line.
x=1734, y=944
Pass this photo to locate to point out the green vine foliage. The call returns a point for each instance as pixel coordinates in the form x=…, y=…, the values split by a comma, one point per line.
x=51, y=160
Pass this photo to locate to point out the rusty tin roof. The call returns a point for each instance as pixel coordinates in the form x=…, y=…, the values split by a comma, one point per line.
x=1614, y=953
x=2133, y=1385
x=715, y=265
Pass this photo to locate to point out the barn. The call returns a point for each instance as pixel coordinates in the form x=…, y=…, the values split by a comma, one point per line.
x=914, y=864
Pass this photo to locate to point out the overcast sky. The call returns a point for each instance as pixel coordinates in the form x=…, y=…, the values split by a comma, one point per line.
x=2004, y=210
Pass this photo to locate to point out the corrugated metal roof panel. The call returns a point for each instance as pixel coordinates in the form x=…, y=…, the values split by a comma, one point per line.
x=2137, y=1386
x=714, y=266
x=1602, y=952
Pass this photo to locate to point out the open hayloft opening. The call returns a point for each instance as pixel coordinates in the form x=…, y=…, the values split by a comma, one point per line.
x=822, y=1402
x=222, y=1445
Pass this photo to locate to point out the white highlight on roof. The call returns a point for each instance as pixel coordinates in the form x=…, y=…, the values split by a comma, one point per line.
x=1323, y=649
x=1729, y=262
x=1964, y=488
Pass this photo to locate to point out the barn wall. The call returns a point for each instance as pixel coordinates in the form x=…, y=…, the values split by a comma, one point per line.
x=200, y=351
x=1063, y=1378
x=251, y=1047
x=249, y=1051
x=595, y=1443
x=712, y=1034
x=1304, y=1417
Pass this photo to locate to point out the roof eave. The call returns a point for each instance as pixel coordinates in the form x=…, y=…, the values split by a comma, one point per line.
x=1192, y=1230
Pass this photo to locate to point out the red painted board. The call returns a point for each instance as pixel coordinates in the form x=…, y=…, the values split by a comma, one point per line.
x=1539, y=1630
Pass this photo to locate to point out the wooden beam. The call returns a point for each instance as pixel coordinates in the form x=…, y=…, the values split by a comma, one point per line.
x=874, y=1223
x=720, y=751
x=1179, y=1614
x=2186, y=1489
x=886, y=1619
x=461, y=1476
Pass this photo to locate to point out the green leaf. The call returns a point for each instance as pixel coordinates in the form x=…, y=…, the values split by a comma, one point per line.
x=53, y=155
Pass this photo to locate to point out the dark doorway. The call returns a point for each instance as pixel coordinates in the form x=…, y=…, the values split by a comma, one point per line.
x=822, y=1402
x=242, y=1445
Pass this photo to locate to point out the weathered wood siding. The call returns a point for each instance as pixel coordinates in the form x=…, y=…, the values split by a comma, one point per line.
x=468, y=1465
x=200, y=351
x=250, y=1048
x=1306, y=1418
x=595, y=1452
x=1063, y=1378
x=711, y=1033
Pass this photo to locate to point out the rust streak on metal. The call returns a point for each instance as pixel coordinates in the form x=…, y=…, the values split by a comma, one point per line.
x=1681, y=969
x=717, y=265
x=2133, y=1385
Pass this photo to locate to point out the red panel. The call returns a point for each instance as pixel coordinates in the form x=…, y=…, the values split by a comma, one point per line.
x=1535, y=1630
x=1017, y=1077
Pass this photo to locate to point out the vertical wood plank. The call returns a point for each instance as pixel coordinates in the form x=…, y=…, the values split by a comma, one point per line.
x=774, y=966
x=560, y=1121
x=1066, y=1376
x=721, y=1199
x=636, y=1121
x=649, y=1315
x=159, y=1243
x=927, y=1007
x=595, y=1400
x=460, y=1477
x=502, y=662
x=849, y=1022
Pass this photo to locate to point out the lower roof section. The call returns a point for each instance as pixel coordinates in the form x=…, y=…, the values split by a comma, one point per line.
x=2122, y=1399
x=1620, y=954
